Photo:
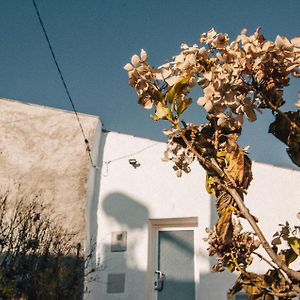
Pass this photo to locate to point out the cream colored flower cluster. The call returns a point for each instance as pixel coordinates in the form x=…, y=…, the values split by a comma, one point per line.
x=238, y=78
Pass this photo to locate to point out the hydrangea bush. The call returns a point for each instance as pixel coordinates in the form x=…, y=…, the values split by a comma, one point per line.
x=239, y=79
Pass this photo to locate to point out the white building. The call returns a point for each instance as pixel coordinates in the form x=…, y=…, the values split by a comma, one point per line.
x=139, y=219
x=149, y=220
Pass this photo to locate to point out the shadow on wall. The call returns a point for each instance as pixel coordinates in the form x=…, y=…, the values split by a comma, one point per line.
x=39, y=259
x=123, y=272
x=133, y=215
x=116, y=272
x=119, y=275
x=126, y=211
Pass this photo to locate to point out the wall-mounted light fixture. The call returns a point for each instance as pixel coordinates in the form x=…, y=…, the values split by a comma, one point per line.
x=134, y=162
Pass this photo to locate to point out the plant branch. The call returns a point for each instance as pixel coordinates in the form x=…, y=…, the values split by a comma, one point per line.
x=272, y=266
x=264, y=259
x=201, y=159
x=242, y=271
x=243, y=209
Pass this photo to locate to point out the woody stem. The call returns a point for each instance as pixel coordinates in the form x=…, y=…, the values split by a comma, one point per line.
x=242, y=207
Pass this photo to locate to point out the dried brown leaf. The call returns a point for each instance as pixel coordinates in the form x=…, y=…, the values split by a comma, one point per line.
x=224, y=227
x=235, y=167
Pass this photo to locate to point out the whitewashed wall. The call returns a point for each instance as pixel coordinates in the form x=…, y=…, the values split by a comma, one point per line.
x=128, y=197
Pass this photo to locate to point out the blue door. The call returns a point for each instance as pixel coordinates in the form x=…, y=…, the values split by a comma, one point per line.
x=175, y=277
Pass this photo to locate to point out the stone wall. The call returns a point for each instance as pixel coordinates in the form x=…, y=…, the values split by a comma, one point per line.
x=42, y=153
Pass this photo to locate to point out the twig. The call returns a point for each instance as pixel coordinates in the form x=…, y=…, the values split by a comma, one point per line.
x=274, y=267
x=264, y=259
x=244, y=272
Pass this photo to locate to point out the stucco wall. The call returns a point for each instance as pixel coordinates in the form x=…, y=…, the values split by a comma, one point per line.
x=129, y=197
x=42, y=152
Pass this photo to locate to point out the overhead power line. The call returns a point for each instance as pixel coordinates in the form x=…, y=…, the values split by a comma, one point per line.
x=88, y=148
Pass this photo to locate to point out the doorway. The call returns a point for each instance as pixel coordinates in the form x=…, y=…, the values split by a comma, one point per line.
x=173, y=259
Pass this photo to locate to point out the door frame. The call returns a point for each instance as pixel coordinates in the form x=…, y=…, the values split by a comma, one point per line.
x=154, y=225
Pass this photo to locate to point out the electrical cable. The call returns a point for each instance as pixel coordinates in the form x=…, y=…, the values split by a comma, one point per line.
x=107, y=162
x=88, y=149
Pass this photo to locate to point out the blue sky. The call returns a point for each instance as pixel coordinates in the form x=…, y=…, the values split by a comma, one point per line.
x=94, y=39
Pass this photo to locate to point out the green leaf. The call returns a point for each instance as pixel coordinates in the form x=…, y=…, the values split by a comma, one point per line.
x=154, y=117
x=184, y=105
x=177, y=89
x=230, y=266
x=221, y=153
x=210, y=185
x=170, y=95
x=294, y=244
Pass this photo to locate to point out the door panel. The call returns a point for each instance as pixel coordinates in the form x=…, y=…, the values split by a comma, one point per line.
x=176, y=261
